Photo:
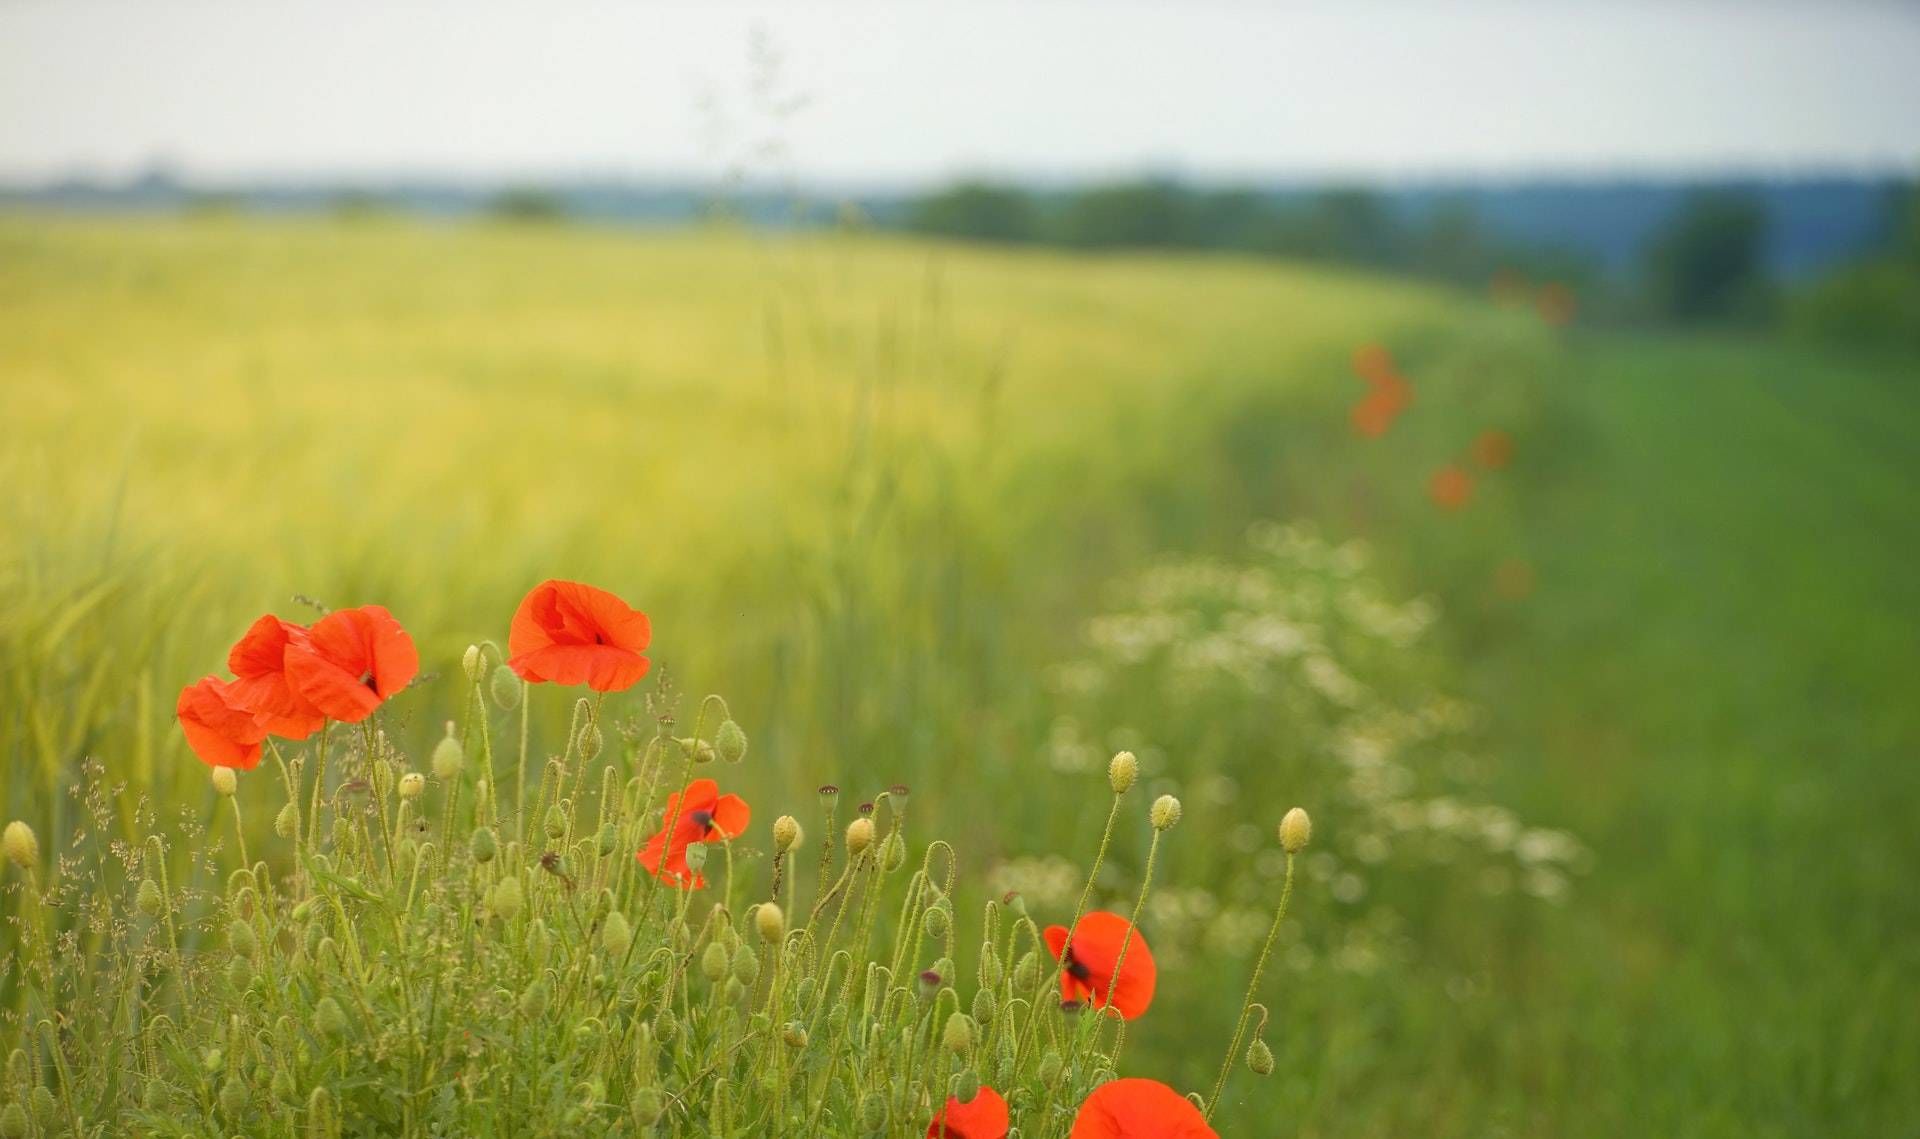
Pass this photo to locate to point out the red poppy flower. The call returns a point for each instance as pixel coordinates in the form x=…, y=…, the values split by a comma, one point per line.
x=1372, y=362
x=1139, y=1109
x=568, y=633
x=351, y=661
x=261, y=685
x=699, y=814
x=220, y=732
x=1095, y=954
x=1557, y=304
x=985, y=1117
x=1450, y=487
x=1372, y=416
x=1493, y=449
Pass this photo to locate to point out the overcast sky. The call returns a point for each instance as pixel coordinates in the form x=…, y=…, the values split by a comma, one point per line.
x=911, y=90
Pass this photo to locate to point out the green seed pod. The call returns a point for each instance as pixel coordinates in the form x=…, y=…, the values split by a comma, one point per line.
x=794, y=1034
x=714, y=961
x=1049, y=1071
x=555, y=823
x=484, y=845
x=506, y=688
x=985, y=1006
x=507, y=898
x=730, y=742
x=533, y=1002
x=746, y=965
x=149, y=898
x=329, y=1019
x=616, y=935
x=696, y=857
x=241, y=939
x=966, y=1085
x=1260, y=1058
x=449, y=758
x=957, y=1038
x=286, y=823
x=609, y=840
x=893, y=855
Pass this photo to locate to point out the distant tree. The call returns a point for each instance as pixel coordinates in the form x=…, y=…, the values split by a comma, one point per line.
x=977, y=211
x=1354, y=224
x=1707, y=263
x=527, y=204
x=1874, y=301
x=1147, y=214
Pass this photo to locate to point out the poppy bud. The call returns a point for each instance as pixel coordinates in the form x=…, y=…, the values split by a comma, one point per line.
x=13, y=1122
x=555, y=823
x=533, y=1002
x=343, y=836
x=240, y=973
x=966, y=1086
x=803, y=992
x=590, y=741
x=730, y=742
x=665, y=1027
x=225, y=782
x=873, y=1111
x=1049, y=1070
x=484, y=845
x=795, y=1034
x=1165, y=812
x=282, y=1085
x=647, y=1106
x=286, y=824
x=786, y=834
x=957, y=1037
x=412, y=784
x=506, y=688
x=616, y=935
x=1296, y=830
x=859, y=835
x=507, y=898
x=770, y=921
x=1260, y=1058
x=930, y=982
x=746, y=965
x=609, y=839
x=149, y=898
x=829, y=795
x=470, y=663
x=482, y=797
x=985, y=1006
x=1026, y=974
x=714, y=962
x=894, y=852
x=329, y=1019
x=233, y=1098
x=241, y=939
x=1122, y=770
x=939, y=920
x=449, y=758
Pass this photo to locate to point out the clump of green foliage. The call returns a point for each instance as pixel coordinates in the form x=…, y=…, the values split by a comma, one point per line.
x=470, y=947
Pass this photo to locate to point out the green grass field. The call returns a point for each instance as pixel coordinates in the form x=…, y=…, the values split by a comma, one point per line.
x=874, y=491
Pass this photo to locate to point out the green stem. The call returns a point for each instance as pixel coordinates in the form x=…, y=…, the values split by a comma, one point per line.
x=1253, y=987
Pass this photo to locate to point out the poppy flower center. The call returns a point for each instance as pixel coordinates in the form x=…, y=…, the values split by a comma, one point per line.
x=1078, y=968
x=366, y=678
x=704, y=818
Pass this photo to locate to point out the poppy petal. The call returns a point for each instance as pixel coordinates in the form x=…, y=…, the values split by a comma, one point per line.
x=219, y=733
x=1139, y=1109
x=731, y=815
x=602, y=668
x=983, y=1117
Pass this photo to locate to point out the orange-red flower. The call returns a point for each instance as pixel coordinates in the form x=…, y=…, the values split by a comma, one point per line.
x=568, y=633
x=261, y=685
x=1493, y=449
x=1450, y=487
x=350, y=662
x=1139, y=1109
x=698, y=814
x=1372, y=363
x=985, y=1117
x=219, y=731
x=1095, y=954
x=1557, y=304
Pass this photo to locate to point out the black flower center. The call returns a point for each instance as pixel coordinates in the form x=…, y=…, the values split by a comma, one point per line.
x=704, y=818
x=1077, y=968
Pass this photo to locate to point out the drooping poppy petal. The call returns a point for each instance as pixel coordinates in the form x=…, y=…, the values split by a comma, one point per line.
x=1093, y=957
x=220, y=733
x=351, y=661
x=1450, y=487
x=261, y=685
x=1139, y=1109
x=568, y=633
x=984, y=1117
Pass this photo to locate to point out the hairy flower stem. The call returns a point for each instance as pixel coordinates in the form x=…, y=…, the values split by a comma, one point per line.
x=239, y=831
x=1079, y=911
x=319, y=781
x=1253, y=988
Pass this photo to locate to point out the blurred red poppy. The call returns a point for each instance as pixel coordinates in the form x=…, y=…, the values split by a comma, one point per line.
x=698, y=814
x=1094, y=955
x=1493, y=449
x=351, y=661
x=568, y=633
x=1139, y=1109
x=220, y=732
x=1556, y=304
x=261, y=685
x=985, y=1117
x=1450, y=487
x=1372, y=416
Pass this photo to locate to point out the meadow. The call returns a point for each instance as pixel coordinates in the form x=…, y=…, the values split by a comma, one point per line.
x=1612, y=769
